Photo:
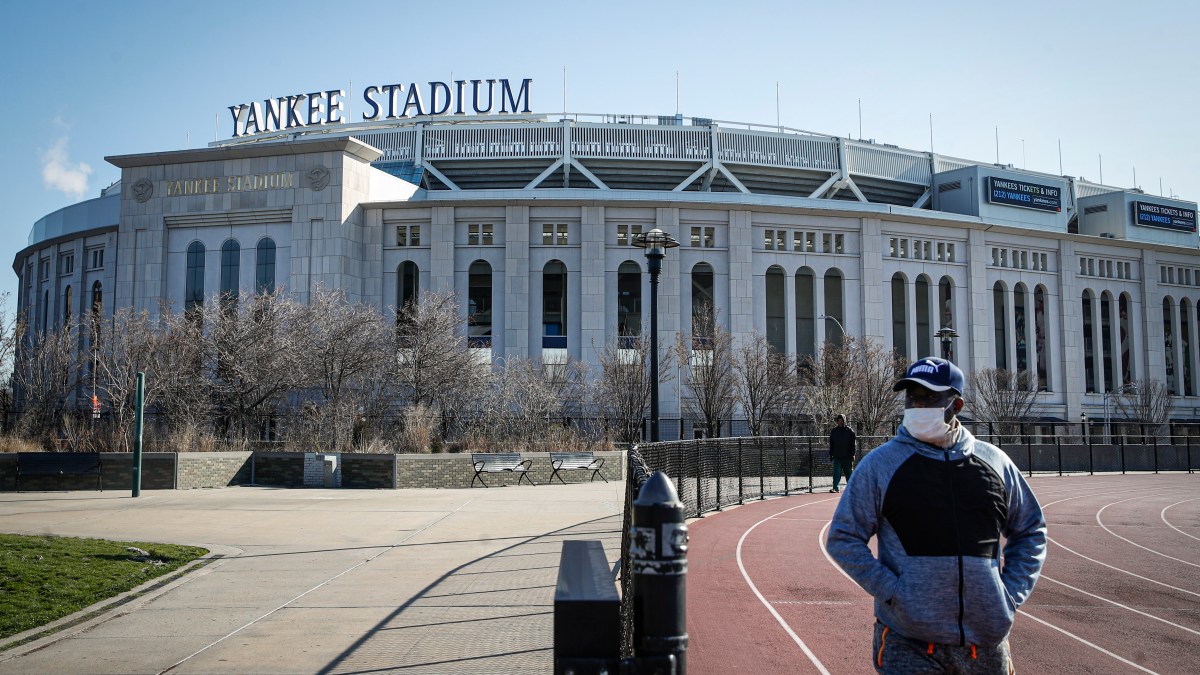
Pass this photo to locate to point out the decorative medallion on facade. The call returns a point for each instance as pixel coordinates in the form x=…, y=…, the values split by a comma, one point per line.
x=143, y=190
x=318, y=178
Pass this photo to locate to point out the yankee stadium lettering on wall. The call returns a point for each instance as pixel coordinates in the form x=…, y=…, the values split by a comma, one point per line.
x=387, y=101
x=1024, y=195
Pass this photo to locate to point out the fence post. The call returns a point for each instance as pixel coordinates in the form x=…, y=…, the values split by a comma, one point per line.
x=1156, y=450
x=788, y=441
x=810, y=466
x=1189, y=452
x=658, y=554
x=1121, y=448
x=1058, y=450
x=741, y=472
x=699, y=465
x=762, y=469
x=720, y=471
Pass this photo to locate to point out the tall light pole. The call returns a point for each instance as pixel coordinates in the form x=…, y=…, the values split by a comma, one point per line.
x=1123, y=389
x=656, y=242
x=946, y=334
x=839, y=323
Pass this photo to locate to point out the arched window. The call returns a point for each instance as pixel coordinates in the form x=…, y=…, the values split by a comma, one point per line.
x=1020, y=318
x=776, y=307
x=703, y=303
x=479, y=305
x=924, y=320
x=67, y=300
x=231, y=254
x=554, y=306
x=1089, y=344
x=1123, y=305
x=1039, y=337
x=193, y=285
x=899, y=319
x=97, y=309
x=264, y=266
x=1169, y=345
x=45, y=309
x=1185, y=344
x=406, y=285
x=1106, y=338
x=834, y=305
x=946, y=302
x=629, y=302
x=999, y=320
x=806, y=314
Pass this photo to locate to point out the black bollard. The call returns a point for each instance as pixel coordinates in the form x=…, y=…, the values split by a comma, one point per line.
x=658, y=566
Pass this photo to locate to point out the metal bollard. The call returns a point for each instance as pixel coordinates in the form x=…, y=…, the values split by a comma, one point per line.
x=658, y=566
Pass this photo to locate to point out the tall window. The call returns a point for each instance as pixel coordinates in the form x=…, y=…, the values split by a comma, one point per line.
x=479, y=304
x=554, y=305
x=629, y=302
x=97, y=310
x=776, y=301
x=1106, y=342
x=231, y=254
x=899, y=319
x=1000, y=322
x=702, y=301
x=193, y=287
x=1169, y=345
x=1039, y=337
x=834, y=303
x=806, y=315
x=946, y=308
x=1089, y=344
x=1185, y=343
x=924, y=335
x=406, y=286
x=1127, y=374
x=264, y=267
x=1019, y=319
x=67, y=300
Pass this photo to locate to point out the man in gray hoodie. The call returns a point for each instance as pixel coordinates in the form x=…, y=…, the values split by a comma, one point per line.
x=939, y=501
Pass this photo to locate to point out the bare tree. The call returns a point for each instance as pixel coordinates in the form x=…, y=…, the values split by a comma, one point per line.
x=131, y=343
x=763, y=382
x=1003, y=397
x=1147, y=403
x=829, y=382
x=875, y=407
x=706, y=370
x=45, y=375
x=623, y=387
x=434, y=365
x=11, y=327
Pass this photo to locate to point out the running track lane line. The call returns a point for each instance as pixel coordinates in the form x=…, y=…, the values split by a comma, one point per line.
x=1163, y=514
x=1090, y=644
x=745, y=575
x=385, y=548
x=1101, y=524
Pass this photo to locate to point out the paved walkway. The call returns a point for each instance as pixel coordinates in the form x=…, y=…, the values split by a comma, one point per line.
x=326, y=581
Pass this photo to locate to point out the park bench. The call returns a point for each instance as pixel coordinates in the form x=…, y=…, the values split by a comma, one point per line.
x=497, y=462
x=59, y=464
x=584, y=461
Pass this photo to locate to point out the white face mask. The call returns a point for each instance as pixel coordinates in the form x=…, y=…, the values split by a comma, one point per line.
x=929, y=425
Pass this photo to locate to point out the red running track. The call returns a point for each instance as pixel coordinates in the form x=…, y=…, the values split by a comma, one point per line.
x=1120, y=592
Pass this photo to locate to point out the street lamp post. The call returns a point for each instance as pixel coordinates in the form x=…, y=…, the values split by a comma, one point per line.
x=839, y=323
x=946, y=334
x=1123, y=389
x=655, y=242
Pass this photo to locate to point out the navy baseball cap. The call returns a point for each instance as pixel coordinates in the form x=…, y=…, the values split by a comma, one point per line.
x=934, y=374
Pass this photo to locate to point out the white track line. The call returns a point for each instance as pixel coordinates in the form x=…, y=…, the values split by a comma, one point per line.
x=1101, y=524
x=803, y=647
x=1090, y=644
x=821, y=544
x=1114, y=602
x=1163, y=514
x=385, y=548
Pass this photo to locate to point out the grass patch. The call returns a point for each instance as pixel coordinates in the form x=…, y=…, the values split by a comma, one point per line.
x=46, y=578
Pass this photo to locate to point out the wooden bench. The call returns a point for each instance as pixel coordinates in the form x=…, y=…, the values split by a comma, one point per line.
x=60, y=464
x=497, y=462
x=584, y=461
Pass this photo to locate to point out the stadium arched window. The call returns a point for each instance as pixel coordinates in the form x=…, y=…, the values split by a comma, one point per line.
x=479, y=304
x=776, y=301
x=703, y=304
x=1185, y=343
x=1020, y=326
x=899, y=318
x=97, y=310
x=67, y=301
x=407, y=276
x=1169, y=344
x=924, y=317
x=806, y=313
x=1000, y=321
x=264, y=266
x=1126, y=339
x=231, y=254
x=1106, y=339
x=834, y=305
x=45, y=309
x=193, y=284
x=1089, y=343
x=629, y=303
x=554, y=306
x=1039, y=337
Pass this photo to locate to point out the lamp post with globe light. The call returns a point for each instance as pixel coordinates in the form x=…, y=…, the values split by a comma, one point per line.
x=946, y=334
x=656, y=242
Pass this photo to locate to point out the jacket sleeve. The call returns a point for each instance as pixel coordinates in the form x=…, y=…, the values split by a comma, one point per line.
x=855, y=521
x=1025, y=531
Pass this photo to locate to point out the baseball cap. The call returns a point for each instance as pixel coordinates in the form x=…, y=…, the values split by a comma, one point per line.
x=934, y=374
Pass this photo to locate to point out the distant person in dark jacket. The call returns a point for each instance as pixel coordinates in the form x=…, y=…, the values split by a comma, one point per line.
x=842, y=445
x=942, y=507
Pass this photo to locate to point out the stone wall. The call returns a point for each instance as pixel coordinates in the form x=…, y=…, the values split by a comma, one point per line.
x=368, y=471
x=212, y=469
x=278, y=469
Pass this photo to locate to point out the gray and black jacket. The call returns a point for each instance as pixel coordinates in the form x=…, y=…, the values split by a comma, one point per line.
x=939, y=515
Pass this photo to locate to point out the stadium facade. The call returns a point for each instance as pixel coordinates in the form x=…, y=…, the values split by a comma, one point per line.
x=530, y=219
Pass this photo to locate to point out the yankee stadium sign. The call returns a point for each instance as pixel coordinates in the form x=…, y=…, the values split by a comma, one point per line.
x=387, y=101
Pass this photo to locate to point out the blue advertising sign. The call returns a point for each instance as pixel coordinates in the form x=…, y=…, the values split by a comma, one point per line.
x=1166, y=217
x=1025, y=195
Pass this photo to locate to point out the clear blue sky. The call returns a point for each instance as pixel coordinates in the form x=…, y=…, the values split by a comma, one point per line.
x=83, y=80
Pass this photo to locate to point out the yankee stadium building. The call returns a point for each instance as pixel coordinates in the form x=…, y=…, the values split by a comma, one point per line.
x=530, y=218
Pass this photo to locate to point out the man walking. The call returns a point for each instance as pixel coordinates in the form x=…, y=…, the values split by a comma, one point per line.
x=939, y=500
x=842, y=445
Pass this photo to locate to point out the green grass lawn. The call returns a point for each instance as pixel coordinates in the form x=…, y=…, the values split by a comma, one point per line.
x=46, y=578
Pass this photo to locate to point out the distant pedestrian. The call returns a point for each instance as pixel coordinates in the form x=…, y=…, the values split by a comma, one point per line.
x=939, y=503
x=842, y=446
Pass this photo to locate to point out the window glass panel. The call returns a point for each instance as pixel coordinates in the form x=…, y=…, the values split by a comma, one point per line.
x=264, y=267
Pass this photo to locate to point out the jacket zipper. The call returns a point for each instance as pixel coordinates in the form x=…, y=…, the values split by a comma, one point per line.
x=962, y=637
